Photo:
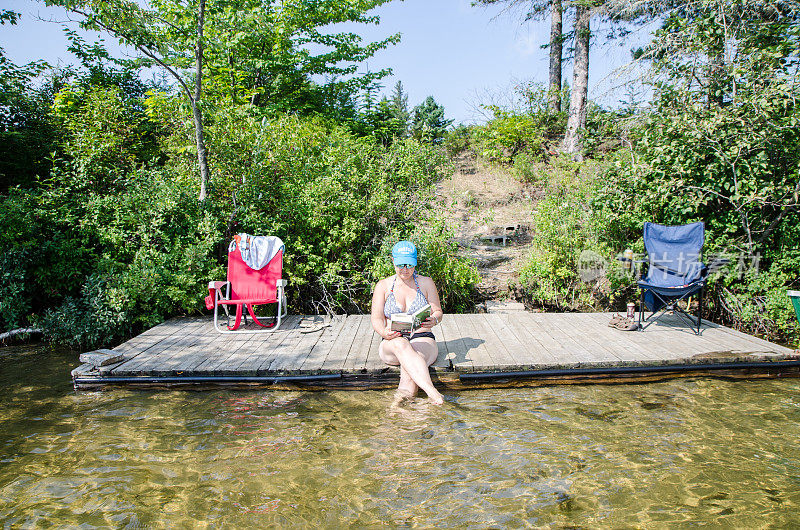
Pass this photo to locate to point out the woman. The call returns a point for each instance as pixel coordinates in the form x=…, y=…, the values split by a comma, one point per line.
x=406, y=292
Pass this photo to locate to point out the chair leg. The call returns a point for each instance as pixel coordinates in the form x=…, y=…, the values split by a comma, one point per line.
x=641, y=310
x=216, y=316
x=280, y=315
x=217, y=305
x=699, y=310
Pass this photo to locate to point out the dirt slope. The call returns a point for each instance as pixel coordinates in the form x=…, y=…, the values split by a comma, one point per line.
x=490, y=212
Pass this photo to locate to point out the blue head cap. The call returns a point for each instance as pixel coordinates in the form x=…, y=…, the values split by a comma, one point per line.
x=404, y=253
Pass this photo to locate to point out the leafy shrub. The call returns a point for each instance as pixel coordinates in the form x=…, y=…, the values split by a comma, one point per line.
x=454, y=276
x=16, y=303
x=564, y=230
x=533, y=100
x=508, y=134
x=733, y=167
x=605, y=131
x=114, y=243
x=332, y=197
x=107, y=136
x=457, y=140
x=128, y=261
x=525, y=167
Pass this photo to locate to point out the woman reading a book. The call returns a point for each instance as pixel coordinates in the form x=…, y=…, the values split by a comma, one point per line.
x=396, y=302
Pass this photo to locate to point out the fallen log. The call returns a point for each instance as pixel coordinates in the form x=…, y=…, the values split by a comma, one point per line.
x=17, y=332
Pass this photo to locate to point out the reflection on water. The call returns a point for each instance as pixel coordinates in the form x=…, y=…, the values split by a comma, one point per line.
x=667, y=454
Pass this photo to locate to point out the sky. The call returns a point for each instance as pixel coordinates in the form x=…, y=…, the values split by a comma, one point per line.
x=463, y=56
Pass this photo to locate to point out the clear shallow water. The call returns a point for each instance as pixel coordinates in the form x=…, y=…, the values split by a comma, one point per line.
x=668, y=454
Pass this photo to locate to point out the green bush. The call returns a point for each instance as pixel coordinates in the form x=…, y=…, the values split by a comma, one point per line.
x=113, y=245
x=332, y=197
x=457, y=140
x=565, y=230
x=454, y=276
x=734, y=169
x=605, y=131
x=526, y=167
x=113, y=265
x=508, y=134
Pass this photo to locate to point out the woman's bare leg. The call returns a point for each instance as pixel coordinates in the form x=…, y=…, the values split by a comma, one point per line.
x=414, y=362
x=407, y=386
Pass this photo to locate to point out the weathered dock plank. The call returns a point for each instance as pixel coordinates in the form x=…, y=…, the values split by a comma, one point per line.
x=478, y=353
x=268, y=348
x=575, y=338
x=374, y=363
x=170, y=345
x=628, y=345
x=563, y=350
x=329, y=335
x=522, y=355
x=495, y=344
x=442, y=359
x=293, y=358
x=607, y=347
x=475, y=350
x=339, y=349
x=457, y=350
x=253, y=351
x=357, y=356
x=535, y=344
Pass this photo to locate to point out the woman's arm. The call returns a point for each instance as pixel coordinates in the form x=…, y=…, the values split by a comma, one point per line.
x=432, y=295
x=376, y=314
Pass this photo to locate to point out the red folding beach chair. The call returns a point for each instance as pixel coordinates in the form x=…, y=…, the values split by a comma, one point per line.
x=248, y=286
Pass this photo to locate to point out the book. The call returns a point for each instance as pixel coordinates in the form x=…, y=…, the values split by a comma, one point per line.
x=405, y=322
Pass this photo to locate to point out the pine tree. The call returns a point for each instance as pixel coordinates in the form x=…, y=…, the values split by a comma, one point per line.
x=399, y=105
x=428, y=123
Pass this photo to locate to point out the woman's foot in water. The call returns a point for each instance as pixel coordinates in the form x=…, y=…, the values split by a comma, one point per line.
x=401, y=394
x=407, y=387
x=436, y=398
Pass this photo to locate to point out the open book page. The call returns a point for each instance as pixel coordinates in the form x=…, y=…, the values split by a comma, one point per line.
x=406, y=323
x=422, y=313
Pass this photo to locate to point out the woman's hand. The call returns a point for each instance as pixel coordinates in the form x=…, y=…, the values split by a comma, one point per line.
x=389, y=333
x=428, y=323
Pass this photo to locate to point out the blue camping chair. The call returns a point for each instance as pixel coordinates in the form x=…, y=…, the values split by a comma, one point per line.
x=675, y=272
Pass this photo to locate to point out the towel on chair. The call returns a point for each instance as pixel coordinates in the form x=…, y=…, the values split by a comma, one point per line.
x=257, y=251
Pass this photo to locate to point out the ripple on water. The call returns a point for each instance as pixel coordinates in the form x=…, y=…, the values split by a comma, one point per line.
x=677, y=453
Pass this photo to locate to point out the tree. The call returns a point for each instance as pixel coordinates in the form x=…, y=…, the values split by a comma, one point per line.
x=370, y=97
x=428, y=123
x=275, y=55
x=556, y=54
x=723, y=144
x=576, y=119
x=170, y=35
x=27, y=135
x=399, y=105
x=242, y=51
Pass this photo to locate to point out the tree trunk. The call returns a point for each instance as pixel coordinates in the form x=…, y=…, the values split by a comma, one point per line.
x=202, y=158
x=554, y=100
x=576, y=120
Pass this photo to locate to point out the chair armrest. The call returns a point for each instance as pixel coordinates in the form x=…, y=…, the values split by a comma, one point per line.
x=638, y=267
x=215, y=293
x=282, y=283
x=213, y=286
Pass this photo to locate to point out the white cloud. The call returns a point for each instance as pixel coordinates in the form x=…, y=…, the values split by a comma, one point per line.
x=527, y=44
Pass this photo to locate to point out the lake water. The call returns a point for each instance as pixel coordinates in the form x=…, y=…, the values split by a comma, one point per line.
x=680, y=453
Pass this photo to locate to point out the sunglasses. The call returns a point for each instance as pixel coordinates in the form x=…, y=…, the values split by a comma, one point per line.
x=404, y=266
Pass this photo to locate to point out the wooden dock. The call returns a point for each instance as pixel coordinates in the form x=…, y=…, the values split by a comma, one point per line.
x=475, y=350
